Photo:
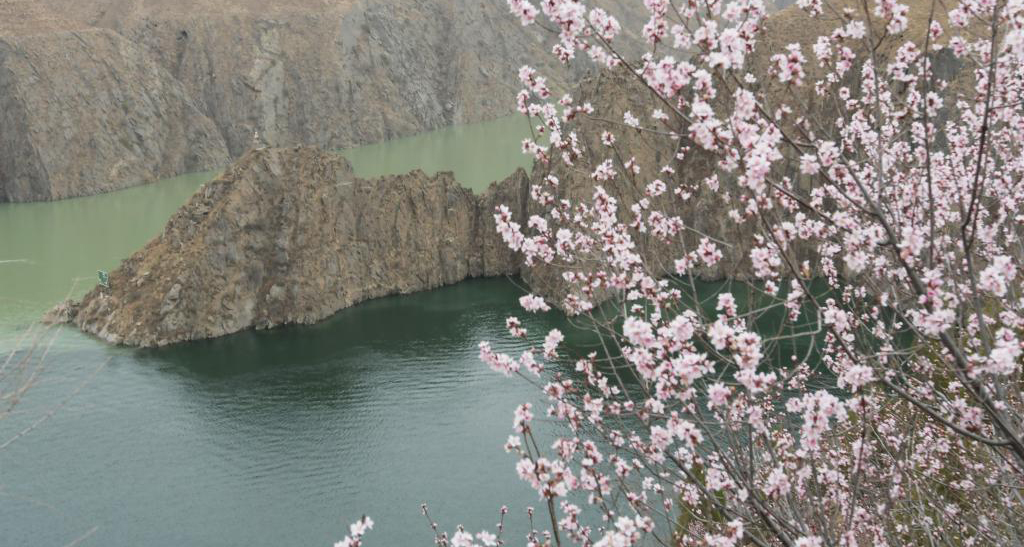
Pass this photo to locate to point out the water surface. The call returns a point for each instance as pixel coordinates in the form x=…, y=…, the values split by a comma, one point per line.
x=268, y=438
x=276, y=437
x=478, y=154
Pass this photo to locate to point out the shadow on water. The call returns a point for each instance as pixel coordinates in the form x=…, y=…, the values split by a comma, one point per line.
x=400, y=326
x=414, y=345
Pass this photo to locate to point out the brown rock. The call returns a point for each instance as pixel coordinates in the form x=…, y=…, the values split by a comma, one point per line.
x=291, y=236
x=61, y=313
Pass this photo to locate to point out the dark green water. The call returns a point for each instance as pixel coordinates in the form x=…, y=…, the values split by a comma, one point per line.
x=279, y=437
x=269, y=438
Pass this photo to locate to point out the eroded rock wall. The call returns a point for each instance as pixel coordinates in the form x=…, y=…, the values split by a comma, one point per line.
x=344, y=76
x=117, y=92
x=84, y=110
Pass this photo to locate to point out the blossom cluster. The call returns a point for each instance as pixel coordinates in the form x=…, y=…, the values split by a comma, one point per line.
x=859, y=380
x=863, y=385
x=356, y=532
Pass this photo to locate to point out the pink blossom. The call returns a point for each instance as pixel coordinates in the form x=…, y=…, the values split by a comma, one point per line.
x=523, y=417
x=515, y=327
x=777, y=483
x=858, y=376
x=718, y=394
x=533, y=303
x=708, y=252
x=551, y=342
x=721, y=334
x=790, y=66
x=356, y=532
x=604, y=172
x=726, y=304
x=525, y=10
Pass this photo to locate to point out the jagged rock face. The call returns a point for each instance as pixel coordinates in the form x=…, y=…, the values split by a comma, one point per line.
x=291, y=236
x=84, y=111
x=116, y=101
x=350, y=75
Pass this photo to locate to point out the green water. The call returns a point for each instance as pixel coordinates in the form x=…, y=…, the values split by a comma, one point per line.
x=51, y=250
x=468, y=150
x=276, y=438
x=261, y=438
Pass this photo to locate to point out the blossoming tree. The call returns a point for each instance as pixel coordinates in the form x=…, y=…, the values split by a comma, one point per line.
x=862, y=385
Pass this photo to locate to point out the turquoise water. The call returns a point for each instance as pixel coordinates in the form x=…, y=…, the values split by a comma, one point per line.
x=51, y=250
x=261, y=438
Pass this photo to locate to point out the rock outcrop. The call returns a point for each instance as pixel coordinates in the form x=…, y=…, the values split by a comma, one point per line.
x=84, y=110
x=291, y=236
x=117, y=92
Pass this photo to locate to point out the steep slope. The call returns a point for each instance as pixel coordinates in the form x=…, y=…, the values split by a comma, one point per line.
x=337, y=75
x=332, y=74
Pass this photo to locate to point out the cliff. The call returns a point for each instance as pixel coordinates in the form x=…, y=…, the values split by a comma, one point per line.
x=339, y=75
x=291, y=236
x=117, y=92
x=83, y=110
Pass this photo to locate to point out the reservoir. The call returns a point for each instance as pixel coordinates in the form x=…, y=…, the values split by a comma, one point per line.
x=278, y=437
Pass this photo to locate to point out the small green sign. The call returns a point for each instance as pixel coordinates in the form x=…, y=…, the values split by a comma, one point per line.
x=104, y=278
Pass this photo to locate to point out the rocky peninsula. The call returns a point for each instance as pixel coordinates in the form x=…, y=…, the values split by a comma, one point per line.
x=290, y=236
